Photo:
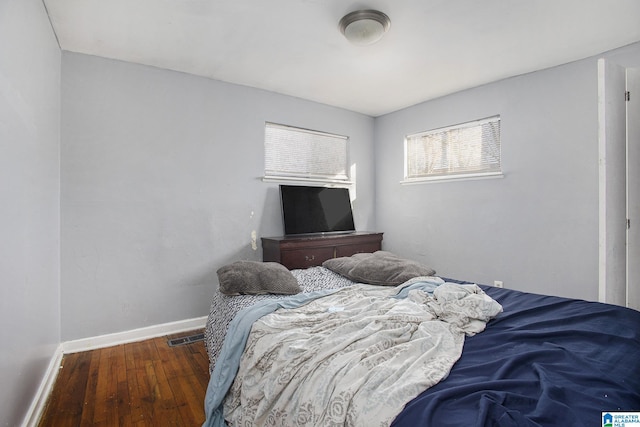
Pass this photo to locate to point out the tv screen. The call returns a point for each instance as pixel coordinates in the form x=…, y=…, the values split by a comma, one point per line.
x=309, y=210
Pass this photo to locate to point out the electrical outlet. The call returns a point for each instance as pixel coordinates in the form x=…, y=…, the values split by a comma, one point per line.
x=498, y=283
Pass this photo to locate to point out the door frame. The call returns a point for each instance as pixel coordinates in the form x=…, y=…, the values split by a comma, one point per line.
x=612, y=256
x=633, y=187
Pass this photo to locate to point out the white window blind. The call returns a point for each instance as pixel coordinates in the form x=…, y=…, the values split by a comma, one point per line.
x=295, y=153
x=462, y=151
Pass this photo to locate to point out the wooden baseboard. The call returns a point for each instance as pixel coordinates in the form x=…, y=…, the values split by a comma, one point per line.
x=133, y=335
x=46, y=385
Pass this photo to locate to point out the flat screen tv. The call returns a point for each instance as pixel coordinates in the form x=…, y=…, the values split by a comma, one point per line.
x=316, y=210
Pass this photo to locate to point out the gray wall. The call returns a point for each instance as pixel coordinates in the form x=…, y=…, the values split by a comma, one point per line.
x=537, y=228
x=30, y=195
x=161, y=186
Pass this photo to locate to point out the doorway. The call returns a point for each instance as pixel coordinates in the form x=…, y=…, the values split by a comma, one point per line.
x=633, y=187
x=619, y=184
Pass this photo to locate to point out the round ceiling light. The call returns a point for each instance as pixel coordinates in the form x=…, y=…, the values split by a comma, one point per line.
x=364, y=27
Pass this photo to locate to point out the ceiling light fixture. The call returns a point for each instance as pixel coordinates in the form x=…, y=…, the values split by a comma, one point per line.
x=364, y=27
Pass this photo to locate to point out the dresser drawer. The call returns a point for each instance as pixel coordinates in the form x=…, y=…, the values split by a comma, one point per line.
x=304, y=258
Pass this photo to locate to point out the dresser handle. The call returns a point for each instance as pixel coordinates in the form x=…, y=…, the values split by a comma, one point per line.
x=307, y=258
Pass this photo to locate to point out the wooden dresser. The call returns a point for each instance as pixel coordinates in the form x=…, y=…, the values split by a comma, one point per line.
x=308, y=251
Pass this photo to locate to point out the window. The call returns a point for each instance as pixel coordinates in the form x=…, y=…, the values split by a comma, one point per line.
x=462, y=151
x=304, y=155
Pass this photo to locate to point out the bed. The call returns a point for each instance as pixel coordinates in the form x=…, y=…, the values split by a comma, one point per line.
x=484, y=356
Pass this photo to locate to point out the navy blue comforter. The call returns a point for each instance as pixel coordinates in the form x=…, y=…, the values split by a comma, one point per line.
x=544, y=361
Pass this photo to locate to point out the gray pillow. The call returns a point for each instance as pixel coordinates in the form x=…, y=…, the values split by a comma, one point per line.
x=378, y=268
x=256, y=278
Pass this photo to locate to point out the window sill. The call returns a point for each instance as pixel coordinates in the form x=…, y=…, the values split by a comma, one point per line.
x=452, y=178
x=319, y=181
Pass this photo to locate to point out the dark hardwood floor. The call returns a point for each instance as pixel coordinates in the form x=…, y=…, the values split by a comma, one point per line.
x=146, y=383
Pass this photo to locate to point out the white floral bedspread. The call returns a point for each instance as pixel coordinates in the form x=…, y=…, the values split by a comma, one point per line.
x=355, y=357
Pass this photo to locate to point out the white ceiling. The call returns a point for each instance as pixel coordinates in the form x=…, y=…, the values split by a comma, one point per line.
x=294, y=47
